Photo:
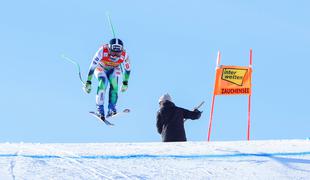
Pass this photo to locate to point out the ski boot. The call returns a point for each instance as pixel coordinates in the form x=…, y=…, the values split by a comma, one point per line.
x=100, y=112
x=112, y=111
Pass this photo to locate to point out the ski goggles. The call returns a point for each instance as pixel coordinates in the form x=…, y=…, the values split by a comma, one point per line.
x=116, y=48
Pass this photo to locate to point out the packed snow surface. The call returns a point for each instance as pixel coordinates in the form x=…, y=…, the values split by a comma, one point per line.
x=274, y=159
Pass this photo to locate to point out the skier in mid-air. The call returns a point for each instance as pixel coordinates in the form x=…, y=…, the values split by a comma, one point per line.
x=109, y=62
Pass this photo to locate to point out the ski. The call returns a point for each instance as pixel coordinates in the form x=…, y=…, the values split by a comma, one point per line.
x=96, y=115
x=125, y=111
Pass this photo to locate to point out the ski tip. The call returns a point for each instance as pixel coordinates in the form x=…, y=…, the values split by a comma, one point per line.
x=91, y=112
x=108, y=123
x=126, y=110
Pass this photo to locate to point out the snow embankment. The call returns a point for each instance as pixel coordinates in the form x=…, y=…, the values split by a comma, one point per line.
x=274, y=159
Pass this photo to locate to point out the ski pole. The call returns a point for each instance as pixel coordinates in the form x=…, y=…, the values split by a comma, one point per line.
x=111, y=25
x=197, y=107
x=76, y=65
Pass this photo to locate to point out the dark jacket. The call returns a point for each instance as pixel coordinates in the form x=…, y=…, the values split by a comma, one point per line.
x=170, y=121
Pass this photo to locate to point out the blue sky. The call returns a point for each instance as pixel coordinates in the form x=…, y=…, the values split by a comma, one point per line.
x=173, y=47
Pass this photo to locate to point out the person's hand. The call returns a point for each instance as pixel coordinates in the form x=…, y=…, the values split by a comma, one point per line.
x=197, y=111
x=124, y=86
x=87, y=87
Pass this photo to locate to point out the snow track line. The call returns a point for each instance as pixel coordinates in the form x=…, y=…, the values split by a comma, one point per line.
x=80, y=166
x=74, y=156
x=13, y=163
x=11, y=169
x=143, y=156
x=111, y=170
x=91, y=170
x=12, y=166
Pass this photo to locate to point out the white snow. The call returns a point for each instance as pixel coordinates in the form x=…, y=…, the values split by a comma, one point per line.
x=273, y=159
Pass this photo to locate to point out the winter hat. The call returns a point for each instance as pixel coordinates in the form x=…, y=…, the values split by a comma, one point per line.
x=165, y=97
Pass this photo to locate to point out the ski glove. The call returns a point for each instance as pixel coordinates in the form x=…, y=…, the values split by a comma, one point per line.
x=124, y=86
x=197, y=111
x=87, y=87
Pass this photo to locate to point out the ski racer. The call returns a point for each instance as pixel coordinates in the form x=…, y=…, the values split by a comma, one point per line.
x=109, y=62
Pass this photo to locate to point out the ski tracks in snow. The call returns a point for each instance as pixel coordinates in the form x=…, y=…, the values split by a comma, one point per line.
x=13, y=162
x=12, y=166
x=96, y=169
x=78, y=165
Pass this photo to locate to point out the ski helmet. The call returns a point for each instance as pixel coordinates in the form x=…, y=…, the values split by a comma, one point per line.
x=116, y=45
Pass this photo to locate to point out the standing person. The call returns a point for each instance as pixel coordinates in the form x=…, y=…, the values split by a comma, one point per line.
x=170, y=120
x=110, y=61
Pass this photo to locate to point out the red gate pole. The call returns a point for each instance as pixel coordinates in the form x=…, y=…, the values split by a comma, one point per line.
x=211, y=117
x=213, y=98
x=249, y=118
x=249, y=103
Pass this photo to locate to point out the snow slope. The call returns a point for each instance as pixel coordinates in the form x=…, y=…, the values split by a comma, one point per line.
x=274, y=159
